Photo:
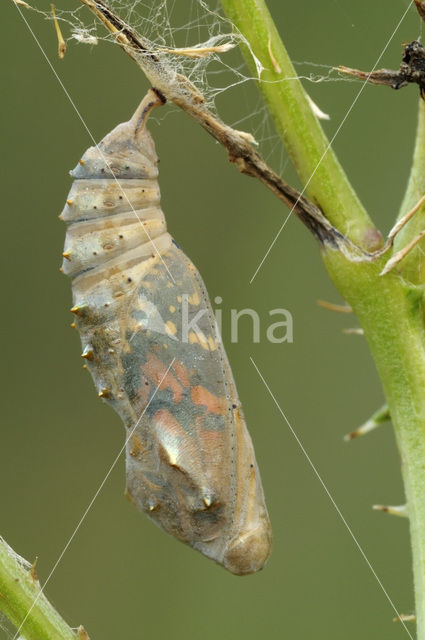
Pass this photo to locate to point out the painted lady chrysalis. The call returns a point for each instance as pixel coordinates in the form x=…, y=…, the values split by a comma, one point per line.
x=152, y=347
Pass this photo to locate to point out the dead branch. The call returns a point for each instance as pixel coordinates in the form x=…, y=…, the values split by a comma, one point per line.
x=412, y=69
x=178, y=89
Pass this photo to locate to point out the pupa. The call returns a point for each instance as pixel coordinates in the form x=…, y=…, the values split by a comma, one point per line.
x=152, y=346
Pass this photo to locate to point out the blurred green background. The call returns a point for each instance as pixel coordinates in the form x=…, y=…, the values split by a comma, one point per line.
x=121, y=577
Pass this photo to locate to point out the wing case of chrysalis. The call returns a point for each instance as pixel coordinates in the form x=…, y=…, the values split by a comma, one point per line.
x=151, y=344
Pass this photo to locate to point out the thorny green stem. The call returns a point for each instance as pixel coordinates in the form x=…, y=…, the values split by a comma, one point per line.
x=19, y=589
x=389, y=310
x=414, y=263
x=304, y=138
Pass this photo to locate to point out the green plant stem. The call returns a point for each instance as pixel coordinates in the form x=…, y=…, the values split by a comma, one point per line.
x=389, y=310
x=301, y=132
x=390, y=313
x=414, y=263
x=416, y=184
x=19, y=591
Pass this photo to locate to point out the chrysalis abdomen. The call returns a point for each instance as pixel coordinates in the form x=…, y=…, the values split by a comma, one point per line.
x=151, y=344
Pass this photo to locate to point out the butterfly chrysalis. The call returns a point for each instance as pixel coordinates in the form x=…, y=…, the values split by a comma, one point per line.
x=151, y=344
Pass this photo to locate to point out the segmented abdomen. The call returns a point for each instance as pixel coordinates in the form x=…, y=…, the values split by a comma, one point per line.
x=151, y=344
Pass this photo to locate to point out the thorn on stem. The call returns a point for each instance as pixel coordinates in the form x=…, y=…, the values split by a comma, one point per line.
x=330, y=306
x=33, y=571
x=378, y=418
x=398, y=257
x=400, y=512
x=274, y=62
x=82, y=633
x=405, y=617
x=354, y=331
x=400, y=224
x=320, y=115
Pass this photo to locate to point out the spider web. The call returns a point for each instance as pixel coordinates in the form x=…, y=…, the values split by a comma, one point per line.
x=167, y=25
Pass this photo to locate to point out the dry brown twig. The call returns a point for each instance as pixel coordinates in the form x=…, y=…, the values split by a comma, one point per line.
x=61, y=41
x=177, y=88
x=412, y=70
x=420, y=5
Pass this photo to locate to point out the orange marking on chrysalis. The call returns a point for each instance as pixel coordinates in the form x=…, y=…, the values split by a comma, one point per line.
x=181, y=373
x=202, y=396
x=167, y=423
x=155, y=370
x=210, y=439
